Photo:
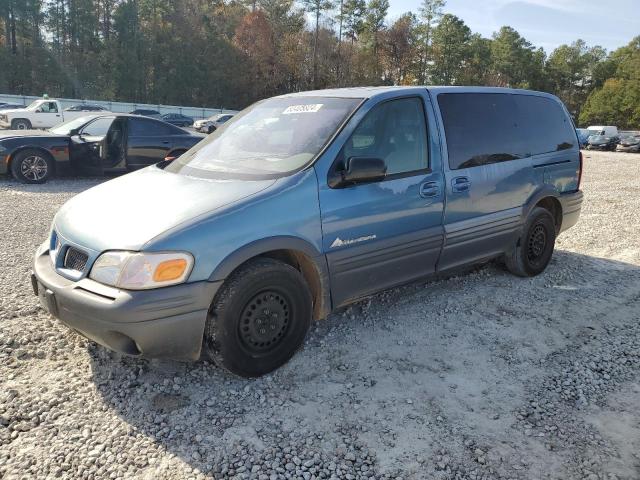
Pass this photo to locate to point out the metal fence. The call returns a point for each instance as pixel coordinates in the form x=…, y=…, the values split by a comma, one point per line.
x=123, y=107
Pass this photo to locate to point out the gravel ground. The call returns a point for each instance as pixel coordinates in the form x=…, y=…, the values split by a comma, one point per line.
x=476, y=376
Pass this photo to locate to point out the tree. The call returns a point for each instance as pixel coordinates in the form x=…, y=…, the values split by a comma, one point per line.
x=450, y=50
x=571, y=72
x=617, y=102
x=431, y=12
x=399, y=48
x=373, y=26
x=317, y=8
x=515, y=62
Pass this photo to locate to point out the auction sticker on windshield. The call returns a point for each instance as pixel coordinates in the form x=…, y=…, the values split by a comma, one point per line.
x=311, y=108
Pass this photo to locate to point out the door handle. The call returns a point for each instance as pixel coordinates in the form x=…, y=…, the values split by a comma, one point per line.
x=166, y=142
x=429, y=189
x=460, y=184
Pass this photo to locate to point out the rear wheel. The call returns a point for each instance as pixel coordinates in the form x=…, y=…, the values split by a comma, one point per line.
x=32, y=166
x=259, y=318
x=532, y=253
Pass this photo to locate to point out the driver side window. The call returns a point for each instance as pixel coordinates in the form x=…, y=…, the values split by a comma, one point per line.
x=49, y=107
x=394, y=131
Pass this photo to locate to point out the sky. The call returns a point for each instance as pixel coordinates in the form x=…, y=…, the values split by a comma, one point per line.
x=545, y=23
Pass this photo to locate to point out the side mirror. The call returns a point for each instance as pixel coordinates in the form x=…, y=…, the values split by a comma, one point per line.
x=360, y=170
x=73, y=132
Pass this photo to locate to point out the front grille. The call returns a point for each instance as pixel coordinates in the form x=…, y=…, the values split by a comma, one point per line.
x=75, y=259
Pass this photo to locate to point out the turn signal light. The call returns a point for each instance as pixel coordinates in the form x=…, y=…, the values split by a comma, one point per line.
x=169, y=270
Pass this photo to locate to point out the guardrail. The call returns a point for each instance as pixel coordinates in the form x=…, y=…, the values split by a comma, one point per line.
x=123, y=107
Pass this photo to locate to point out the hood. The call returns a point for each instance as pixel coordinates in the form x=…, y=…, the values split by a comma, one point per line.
x=129, y=211
x=13, y=110
x=630, y=141
x=599, y=139
x=4, y=134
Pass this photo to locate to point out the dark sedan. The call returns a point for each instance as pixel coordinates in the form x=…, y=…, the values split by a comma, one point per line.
x=602, y=142
x=629, y=144
x=178, y=119
x=11, y=106
x=91, y=144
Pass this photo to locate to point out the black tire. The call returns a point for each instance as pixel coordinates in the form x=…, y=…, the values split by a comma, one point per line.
x=21, y=124
x=250, y=344
x=533, y=250
x=32, y=166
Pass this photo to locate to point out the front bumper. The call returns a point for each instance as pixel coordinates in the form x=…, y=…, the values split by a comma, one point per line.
x=628, y=148
x=165, y=322
x=571, y=206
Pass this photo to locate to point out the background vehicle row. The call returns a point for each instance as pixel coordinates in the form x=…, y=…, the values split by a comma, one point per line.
x=91, y=144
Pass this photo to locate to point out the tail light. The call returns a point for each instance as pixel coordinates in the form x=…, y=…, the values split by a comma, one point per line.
x=580, y=171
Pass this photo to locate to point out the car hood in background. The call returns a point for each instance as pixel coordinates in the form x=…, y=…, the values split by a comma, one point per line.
x=129, y=211
x=4, y=134
x=630, y=142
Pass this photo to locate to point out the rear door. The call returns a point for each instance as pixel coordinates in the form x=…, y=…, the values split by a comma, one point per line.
x=489, y=175
x=385, y=233
x=148, y=141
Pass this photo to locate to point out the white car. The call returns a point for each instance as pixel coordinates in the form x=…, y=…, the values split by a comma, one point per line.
x=43, y=113
x=208, y=125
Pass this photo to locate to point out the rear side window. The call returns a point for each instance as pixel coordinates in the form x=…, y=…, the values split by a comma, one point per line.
x=481, y=128
x=544, y=124
x=143, y=127
x=394, y=131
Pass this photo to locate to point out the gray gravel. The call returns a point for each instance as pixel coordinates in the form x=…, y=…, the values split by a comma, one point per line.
x=476, y=376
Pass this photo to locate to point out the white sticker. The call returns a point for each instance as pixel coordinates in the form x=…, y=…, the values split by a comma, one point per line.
x=310, y=108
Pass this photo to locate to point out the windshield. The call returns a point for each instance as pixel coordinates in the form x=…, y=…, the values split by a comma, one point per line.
x=270, y=139
x=34, y=105
x=65, y=128
x=593, y=131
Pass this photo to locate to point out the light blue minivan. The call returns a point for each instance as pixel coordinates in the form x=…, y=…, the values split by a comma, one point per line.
x=304, y=203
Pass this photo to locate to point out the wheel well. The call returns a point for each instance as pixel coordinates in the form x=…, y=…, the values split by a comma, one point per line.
x=553, y=205
x=39, y=149
x=307, y=267
x=18, y=119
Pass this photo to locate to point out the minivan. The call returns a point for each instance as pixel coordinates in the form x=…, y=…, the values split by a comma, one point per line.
x=302, y=204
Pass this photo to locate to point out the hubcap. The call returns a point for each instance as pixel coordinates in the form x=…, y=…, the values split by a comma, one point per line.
x=21, y=126
x=34, y=167
x=264, y=321
x=537, y=243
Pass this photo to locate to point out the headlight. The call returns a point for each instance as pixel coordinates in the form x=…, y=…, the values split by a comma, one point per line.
x=141, y=271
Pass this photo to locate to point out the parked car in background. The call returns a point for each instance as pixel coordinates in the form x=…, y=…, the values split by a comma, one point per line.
x=583, y=136
x=606, y=130
x=177, y=119
x=303, y=204
x=43, y=113
x=86, y=107
x=91, y=144
x=629, y=143
x=210, y=124
x=147, y=113
x=11, y=106
x=602, y=142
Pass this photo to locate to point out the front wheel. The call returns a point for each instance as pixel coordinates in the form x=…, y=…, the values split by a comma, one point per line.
x=32, y=166
x=533, y=250
x=21, y=124
x=259, y=318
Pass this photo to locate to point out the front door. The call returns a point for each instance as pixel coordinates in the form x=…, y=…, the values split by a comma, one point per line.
x=46, y=115
x=89, y=148
x=377, y=235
